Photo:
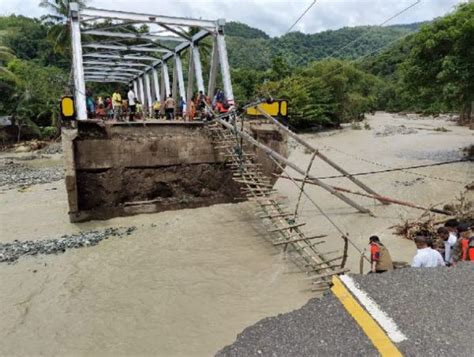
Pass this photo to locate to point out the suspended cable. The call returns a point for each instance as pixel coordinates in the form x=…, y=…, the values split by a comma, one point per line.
x=301, y=16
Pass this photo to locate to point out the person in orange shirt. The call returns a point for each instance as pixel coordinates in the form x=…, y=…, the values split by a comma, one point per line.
x=191, y=108
x=379, y=256
x=464, y=248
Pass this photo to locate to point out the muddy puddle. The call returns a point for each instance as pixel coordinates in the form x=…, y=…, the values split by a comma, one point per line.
x=185, y=283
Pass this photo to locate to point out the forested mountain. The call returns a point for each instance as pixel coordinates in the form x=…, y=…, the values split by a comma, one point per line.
x=252, y=48
x=239, y=29
x=328, y=77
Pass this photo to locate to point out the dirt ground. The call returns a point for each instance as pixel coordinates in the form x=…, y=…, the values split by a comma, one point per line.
x=186, y=282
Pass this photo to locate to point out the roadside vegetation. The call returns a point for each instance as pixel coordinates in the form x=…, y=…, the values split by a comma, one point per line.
x=426, y=68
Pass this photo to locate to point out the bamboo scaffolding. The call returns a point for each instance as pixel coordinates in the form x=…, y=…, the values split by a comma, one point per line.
x=307, y=145
x=258, y=189
x=285, y=161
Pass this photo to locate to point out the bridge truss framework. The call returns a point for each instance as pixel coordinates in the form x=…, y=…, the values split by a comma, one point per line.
x=143, y=61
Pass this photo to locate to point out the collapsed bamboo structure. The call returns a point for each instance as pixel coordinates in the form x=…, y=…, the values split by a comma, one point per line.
x=284, y=227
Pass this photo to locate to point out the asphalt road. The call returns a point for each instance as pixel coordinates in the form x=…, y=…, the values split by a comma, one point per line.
x=432, y=307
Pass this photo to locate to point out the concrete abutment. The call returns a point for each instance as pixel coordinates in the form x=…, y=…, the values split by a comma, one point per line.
x=117, y=169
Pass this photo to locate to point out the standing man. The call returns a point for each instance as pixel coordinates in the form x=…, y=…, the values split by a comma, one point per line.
x=449, y=241
x=380, y=258
x=131, y=103
x=426, y=257
x=117, y=104
x=170, y=106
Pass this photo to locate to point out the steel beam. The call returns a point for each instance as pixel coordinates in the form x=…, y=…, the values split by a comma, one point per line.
x=198, y=68
x=77, y=64
x=213, y=71
x=179, y=74
x=195, y=39
x=141, y=92
x=225, y=69
x=110, y=69
x=125, y=48
x=116, y=63
x=118, y=74
x=133, y=35
x=174, y=86
x=156, y=83
x=124, y=57
x=166, y=78
x=138, y=17
x=190, y=89
x=135, y=88
x=101, y=80
x=148, y=92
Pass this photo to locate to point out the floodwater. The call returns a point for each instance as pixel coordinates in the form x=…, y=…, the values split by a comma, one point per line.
x=186, y=282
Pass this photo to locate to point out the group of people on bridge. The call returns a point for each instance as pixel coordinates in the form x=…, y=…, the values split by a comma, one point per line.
x=452, y=243
x=130, y=108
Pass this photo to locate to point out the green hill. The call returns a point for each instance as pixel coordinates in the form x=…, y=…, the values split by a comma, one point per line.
x=252, y=48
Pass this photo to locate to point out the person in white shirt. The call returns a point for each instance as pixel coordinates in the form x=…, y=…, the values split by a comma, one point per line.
x=449, y=239
x=426, y=257
x=131, y=103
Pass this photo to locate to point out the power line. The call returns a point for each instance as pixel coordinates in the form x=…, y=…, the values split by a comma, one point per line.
x=376, y=163
x=403, y=169
x=372, y=28
x=301, y=16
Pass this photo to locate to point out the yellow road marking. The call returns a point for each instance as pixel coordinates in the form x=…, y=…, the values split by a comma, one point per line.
x=373, y=331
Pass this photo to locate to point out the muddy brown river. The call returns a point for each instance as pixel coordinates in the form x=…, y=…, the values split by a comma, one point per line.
x=185, y=283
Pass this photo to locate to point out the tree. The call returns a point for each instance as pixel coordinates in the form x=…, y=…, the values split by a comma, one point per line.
x=438, y=74
x=59, y=33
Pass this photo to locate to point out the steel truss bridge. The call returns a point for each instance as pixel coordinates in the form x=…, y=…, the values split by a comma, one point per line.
x=114, y=46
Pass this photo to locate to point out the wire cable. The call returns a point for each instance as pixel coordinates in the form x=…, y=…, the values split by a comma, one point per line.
x=299, y=18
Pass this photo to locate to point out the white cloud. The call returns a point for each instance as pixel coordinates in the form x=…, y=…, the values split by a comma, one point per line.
x=272, y=16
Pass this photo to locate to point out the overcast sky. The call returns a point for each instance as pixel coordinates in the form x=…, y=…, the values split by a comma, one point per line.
x=272, y=16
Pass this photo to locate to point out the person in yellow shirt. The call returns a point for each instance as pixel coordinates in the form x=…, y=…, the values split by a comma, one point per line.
x=117, y=104
x=156, y=109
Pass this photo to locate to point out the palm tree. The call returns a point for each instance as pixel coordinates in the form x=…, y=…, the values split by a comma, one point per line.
x=58, y=33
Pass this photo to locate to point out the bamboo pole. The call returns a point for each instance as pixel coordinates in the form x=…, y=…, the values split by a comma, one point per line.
x=318, y=153
x=284, y=160
x=378, y=197
x=299, y=239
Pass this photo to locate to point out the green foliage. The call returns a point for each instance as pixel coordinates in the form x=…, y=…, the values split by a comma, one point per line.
x=326, y=93
x=38, y=91
x=239, y=29
x=250, y=50
x=439, y=72
x=48, y=132
x=28, y=39
x=432, y=70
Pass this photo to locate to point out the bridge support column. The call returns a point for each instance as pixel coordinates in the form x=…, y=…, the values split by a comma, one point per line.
x=190, y=90
x=156, y=84
x=198, y=68
x=174, y=87
x=149, y=101
x=225, y=69
x=179, y=72
x=135, y=88
x=78, y=68
x=213, y=72
x=166, y=78
x=141, y=94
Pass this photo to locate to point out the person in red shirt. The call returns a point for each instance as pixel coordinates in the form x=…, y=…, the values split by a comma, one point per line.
x=379, y=256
